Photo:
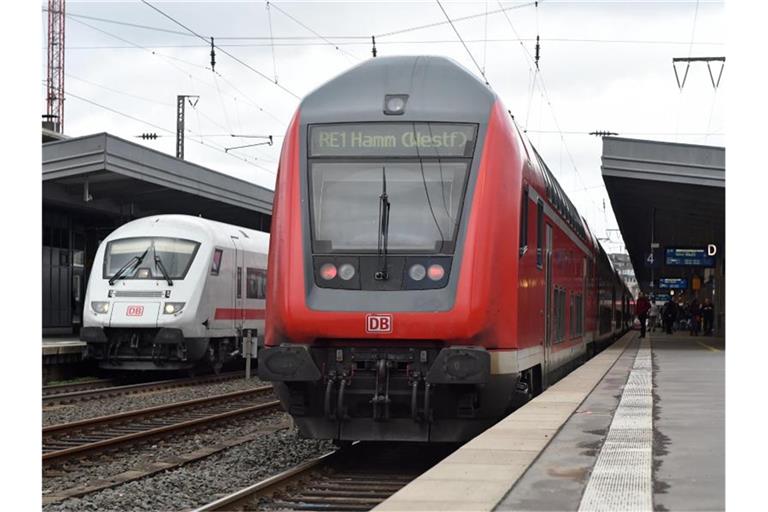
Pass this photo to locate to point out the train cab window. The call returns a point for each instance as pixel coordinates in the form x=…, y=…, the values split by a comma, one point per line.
x=216, y=262
x=540, y=234
x=256, y=285
x=524, y=223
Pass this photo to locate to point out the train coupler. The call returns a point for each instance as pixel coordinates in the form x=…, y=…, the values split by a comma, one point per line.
x=381, y=400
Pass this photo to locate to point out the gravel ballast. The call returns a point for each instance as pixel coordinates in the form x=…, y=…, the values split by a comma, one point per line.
x=200, y=482
x=76, y=474
x=112, y=405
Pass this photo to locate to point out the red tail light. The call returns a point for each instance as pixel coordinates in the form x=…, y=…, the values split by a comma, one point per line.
x=435, y=272
x=328, y=271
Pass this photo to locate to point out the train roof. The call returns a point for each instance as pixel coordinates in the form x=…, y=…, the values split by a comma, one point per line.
x=196, y=228
x=438, y=89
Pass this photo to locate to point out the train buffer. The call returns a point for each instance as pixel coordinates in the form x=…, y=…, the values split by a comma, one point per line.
x=641, y=426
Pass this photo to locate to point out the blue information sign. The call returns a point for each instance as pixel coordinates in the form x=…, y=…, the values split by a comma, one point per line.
x=688, y=257
x=673, y=283
x=661, y=297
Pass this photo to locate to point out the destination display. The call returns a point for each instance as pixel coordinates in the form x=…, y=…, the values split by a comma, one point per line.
x=392, y=140
x=688, y=257
x=673, y=283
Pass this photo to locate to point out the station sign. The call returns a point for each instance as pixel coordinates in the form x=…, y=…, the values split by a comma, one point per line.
x=686, y=257
x=673, y=283
x=392, y=139
x=661, y=297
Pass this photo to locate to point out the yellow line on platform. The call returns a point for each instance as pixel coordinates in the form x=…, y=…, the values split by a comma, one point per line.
x=711, y=349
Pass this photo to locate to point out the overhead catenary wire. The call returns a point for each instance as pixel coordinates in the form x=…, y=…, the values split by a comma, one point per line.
x=306, y=42
x=455, y=20
x=539, y=80
x=363, y=40
x=271, y=41
x=209, y=145
x=485, y=36
x=328, y=41
x=169, y=60
x=482, y=72
x=687, y=65
x=224, y=51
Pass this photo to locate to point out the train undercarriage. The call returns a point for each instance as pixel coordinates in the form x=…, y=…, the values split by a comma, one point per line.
x=419, y=393
x=154, y=349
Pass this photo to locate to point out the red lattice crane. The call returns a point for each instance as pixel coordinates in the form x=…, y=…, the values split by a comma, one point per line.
x=55, y=93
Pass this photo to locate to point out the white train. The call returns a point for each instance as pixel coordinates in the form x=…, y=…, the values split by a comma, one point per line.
x=175, y=292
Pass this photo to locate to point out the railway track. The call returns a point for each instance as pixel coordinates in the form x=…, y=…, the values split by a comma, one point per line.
x=81, y=438
x=353, y=479
x=58, y=389
x=98, y=388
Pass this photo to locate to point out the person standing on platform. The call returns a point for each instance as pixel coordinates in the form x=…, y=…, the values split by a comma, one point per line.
x=668, y=315
x=642, y=307
x=694, y=312
x=653, y=316
x=708, y=314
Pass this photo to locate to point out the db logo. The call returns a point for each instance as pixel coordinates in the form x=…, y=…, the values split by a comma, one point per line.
x=378, y=323
x=134, y=311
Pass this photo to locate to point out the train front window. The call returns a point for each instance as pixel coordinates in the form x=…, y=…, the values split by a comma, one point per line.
x=425, y=203
x=139, y=255
x=425, y=167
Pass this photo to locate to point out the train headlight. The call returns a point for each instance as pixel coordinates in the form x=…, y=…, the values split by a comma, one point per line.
x=417, y=272
x=100, y=307
x=394, y=104
x=435, y=272
x=346, y=271
x=172, y=307
x=328, y=271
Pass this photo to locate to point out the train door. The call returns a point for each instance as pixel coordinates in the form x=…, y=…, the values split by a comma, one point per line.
x=239, y=300
x=548, y=305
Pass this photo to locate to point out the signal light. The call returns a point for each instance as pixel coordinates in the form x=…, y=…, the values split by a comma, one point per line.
x=435, y=272
x=328, y=271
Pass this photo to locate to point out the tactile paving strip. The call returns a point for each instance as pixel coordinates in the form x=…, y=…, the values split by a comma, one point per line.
x=621, y=478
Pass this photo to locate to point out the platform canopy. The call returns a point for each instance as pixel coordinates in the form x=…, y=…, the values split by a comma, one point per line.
x=104, y=174
x=668, y=195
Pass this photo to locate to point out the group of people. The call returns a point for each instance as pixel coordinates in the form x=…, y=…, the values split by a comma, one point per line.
x=693, y=315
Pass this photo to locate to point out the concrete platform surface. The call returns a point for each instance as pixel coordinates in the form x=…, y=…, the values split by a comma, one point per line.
x=57, y=346
x=639, y=427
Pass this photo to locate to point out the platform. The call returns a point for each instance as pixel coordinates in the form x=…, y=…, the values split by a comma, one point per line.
x=641, y=426
x=60, y=346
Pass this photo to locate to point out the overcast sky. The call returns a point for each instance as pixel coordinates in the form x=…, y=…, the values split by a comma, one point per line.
x=603, y=66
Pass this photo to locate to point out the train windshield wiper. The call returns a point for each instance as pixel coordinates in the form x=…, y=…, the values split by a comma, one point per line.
x=131, y=264
x=384, y=205
x=160, y=265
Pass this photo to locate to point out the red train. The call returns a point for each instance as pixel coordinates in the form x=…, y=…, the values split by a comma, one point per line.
x=427, y=273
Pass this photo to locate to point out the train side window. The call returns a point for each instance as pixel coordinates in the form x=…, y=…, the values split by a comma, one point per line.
x=216, y=262
x=256, y=283
x=239, y=282
x=524, y=223
x=539, y=234
x=559, y=315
